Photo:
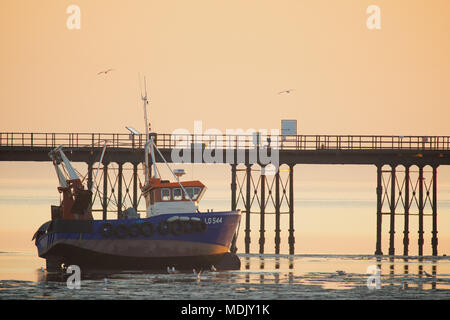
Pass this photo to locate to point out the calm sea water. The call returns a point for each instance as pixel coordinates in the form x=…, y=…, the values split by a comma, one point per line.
x=261, y=277
x=300, y=276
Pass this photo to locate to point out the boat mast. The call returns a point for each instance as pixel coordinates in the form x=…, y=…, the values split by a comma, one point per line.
x=148, y=140
x=99, y=162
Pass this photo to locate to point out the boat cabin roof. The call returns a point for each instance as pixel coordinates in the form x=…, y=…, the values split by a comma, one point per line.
x=167, y=184
x=163, y=190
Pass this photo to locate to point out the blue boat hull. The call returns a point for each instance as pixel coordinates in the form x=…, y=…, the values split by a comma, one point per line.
x=182, y=241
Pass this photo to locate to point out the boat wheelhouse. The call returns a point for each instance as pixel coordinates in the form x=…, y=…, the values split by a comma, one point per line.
x=162, y=196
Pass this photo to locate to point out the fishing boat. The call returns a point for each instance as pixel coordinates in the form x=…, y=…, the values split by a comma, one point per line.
x=175, y=234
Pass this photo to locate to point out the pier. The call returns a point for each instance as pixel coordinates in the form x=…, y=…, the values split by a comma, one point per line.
x=406, y=177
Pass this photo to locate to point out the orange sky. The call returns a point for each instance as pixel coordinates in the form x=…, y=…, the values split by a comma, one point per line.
x=227, y=58
x=223, y=62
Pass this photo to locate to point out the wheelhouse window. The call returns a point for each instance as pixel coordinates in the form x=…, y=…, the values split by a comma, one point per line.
x=189, y=193
x=177, y=194
x=197, y=191
x=192, y=193
x=165, y=194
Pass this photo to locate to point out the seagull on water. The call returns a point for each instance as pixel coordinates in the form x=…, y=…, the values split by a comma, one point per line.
x=105, y=71
x=169, y=270
x=198, y=274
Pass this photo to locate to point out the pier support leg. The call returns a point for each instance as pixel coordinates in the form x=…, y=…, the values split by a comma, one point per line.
x=392, y=216
x=233, y=203
x=247, y=209
x=291, y=210
x=135, y=181
x=262, y=211
x=119, y=191
x=434, y=239
x=89, y=181
x=406, y=207
x=105, y=191
x=379, y=204
x=277, y=212
x=420, y=241
x=233, y=187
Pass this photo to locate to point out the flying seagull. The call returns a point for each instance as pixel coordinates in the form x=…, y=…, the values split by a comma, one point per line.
x=105, y=71
x=286, y=91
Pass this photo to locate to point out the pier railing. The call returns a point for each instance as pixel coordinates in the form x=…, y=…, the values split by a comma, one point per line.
x=244, y=141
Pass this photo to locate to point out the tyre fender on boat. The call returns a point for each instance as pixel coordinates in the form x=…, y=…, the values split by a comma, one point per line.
x=164, y=228
x=147, y=229
x=176, y=227
x=200, y=226
x=121, y=231
x=134, y=230
x=189, y=226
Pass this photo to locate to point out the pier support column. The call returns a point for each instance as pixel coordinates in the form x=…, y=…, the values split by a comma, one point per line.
x=119, y=191
x=392, y=216
x=291, y=210
x=105, y=191
x=262, y=211
x=434, y=239
x=421, y=205
x=277, y=212
x=89, y=181
x=233, y=187
x=247, y=209
x=233, y=204
x=379, y=191
x=135, y=180
x=406, y=208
